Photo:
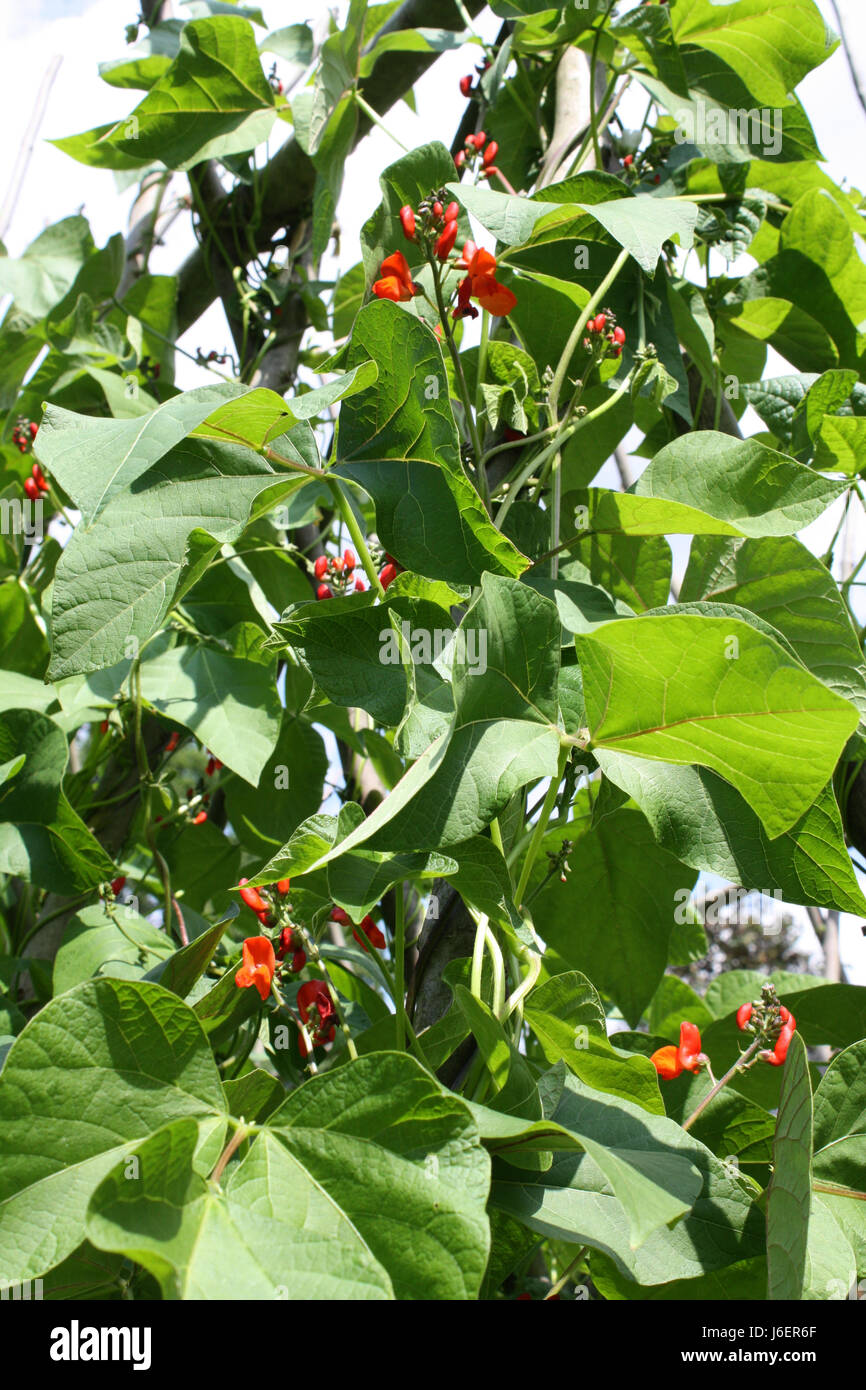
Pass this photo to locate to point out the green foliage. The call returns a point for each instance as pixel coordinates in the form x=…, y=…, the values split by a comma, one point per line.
x=361, y=614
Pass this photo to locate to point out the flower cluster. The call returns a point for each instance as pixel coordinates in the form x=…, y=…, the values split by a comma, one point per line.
x=475, y=146
x=339, y=570
x=36, y=485
x=314, y=997
x=24, y=434
x=606, y=337
x=772, y=1023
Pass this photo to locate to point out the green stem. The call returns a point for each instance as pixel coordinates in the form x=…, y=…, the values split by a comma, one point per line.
x=376, y=119
x=400, y=965
x=460, y=378
x=577, y=333
x=732, y=1071
x=541, y=825
x=482, y=365
x=355, y=532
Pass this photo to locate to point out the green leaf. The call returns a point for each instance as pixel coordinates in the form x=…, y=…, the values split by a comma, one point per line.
x=566, y=1015
x=670, y=688
x=269, y=1233
x=757, y=491
x=643, y=224
x=148, y=60
x=145, y=538
x=772, y=46
x=96, y=944
x=43, y=839
x=652, y=1183
x=95, y=1071
x=613, y=917
x=781, y=581
x=701, y=819
x=384, y=1141
x=213, y=101
x=185, y=967
x=214, y=694
x=43, y=275
x=573, y=1200
x=789, y=1194
x=400, y=444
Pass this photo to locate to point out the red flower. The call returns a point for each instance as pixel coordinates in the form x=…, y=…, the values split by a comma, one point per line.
x=349, y=560
x=459, y=159
x=338, y=914
x=251, y=896
x=360, y=586
x=372, y=933
x=387, y=575
x=320, y=568
x=490, y=154
x=324, y=591
x=314, y=995
x=173, y=741
x=31, y=489
x=259, y=965
x=466, y=84
x=396, y=282
x=200, y=818
x=619, y=336
x=783, y=1042
x=476, y=140
x=744, y=1013
x=481, y=284
x=285, y=942
x=117, y=884
x=299, y=960
x=628, y=161
x=407, y=222
x=672, y=1061
x=451, y=212
x=445, y=244
x=283, y=886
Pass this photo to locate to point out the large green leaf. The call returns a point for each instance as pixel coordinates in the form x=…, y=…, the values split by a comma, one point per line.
x=42, y=837
x=780, y=580
x=96, y=1070
x=215, y=695
x=271, y=1232
x=839, y=1142
x=400, y=444
x=123, y=947
x=402, y=1156
x=573, y=1200
x=772, y=46
x=213, y=101
x=566, y=1015
x=700, y=818
x=653, y=1183
x=47, y=269
x=142, y=539
x=756, y=490
x=789, y=1194
x=613, y=917
x=716, y=692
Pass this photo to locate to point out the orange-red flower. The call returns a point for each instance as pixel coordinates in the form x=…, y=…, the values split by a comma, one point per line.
x=671, y=1061
x=259, y=965
x=783, y=1042
x=396, y=282
x=315, y=995
x=372, y=933
x=481, y=284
